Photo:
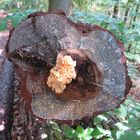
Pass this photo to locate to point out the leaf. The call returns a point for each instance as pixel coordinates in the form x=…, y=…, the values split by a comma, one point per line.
x=3, y=24
x=54, y=126
x=134, y=122
x=121, y=26
x=99, y=119
x=119, y=134
x=122, y=111
x=129, y=135
x=79, y=132
x=137, y=107
x=17, y=19
x=103, y=131
x=122, y=126
x=88, y=131
x=58, y=135
x=87, y=137
x=97, y=134
x=138, y=132
x=83, y=134
x=79, y=129
x=113, y=132
x=68, y=131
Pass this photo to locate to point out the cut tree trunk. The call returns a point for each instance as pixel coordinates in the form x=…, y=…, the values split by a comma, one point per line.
x=102, y=81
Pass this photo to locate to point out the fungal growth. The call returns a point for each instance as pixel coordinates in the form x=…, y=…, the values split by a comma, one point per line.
x=62, y=74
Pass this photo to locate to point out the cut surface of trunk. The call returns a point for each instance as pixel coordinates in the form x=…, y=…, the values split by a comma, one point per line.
x=102, y=81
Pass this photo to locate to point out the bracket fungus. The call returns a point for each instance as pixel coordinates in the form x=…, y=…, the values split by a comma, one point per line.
x=68, y=71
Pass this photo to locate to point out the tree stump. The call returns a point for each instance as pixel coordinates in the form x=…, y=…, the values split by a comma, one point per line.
x=101, y=81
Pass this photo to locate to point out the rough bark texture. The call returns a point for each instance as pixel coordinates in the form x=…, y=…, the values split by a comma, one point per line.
x=34, y=46
x=6, y=98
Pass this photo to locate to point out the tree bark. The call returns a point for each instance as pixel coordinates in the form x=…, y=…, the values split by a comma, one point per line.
x=64, y=5
x=6, y=98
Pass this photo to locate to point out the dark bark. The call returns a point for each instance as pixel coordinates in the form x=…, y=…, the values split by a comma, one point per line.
x=64, y=5
x=100, y=65
x=116, y=9
x=6, y=98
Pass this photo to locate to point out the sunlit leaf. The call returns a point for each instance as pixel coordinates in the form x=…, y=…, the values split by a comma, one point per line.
x=79, y=129
x=88, y=131
x=97, y=134
x=68, y=131
x=54, y=126
x=122, y=126
x=99, y=119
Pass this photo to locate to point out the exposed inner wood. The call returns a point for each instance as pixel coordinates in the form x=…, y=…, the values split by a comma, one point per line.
x=82, y=87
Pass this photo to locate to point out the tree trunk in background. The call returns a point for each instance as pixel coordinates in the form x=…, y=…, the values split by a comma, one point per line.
x=116, y=9
x=131, y=24
x=64, y=5
x=126, y=13
x=136, y=12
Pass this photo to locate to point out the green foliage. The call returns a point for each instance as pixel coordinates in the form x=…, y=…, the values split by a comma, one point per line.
x=132, y=69
x=23, y=5
x=14, y=19
x=19, y=9
x=115, y=25
x=3, y=24
x=79, y=133
x=52, y=131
